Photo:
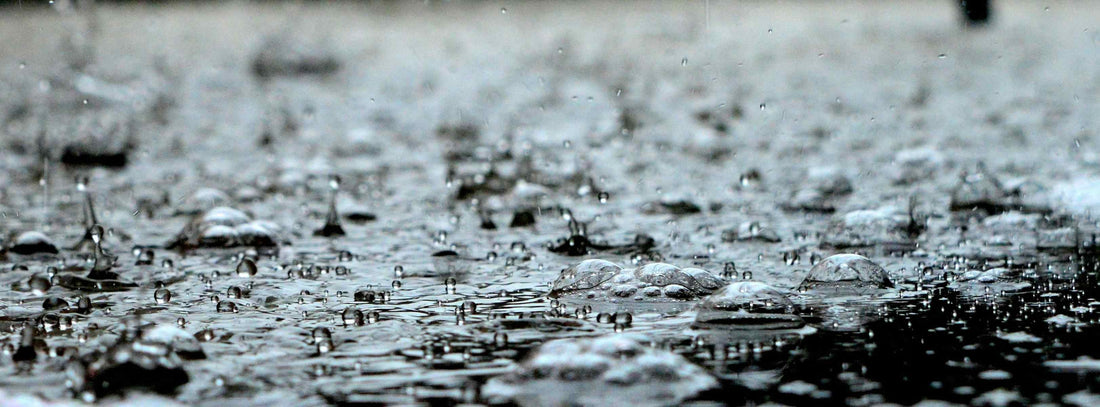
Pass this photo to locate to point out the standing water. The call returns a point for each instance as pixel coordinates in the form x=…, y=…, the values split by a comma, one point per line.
x=547, y=204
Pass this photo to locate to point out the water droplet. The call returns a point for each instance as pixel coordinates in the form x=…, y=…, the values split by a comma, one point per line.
x=332, y=225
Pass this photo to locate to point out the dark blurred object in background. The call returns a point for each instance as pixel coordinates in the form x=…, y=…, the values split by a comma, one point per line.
x=975, y=12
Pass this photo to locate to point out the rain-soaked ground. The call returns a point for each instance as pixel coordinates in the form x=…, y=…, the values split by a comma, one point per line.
x=802, y=203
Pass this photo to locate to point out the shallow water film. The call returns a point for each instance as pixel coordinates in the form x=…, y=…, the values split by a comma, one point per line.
x=544, y=204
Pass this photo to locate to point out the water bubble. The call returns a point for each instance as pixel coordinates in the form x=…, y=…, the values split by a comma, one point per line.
x=227, y=306
x=748, y=305
x=846, y=273
x=145, y=257
x=247, y=268
x=31, y=243
x=162, y=296
x=623, y=318
x=234, y=292
x=39, y=284
x=353, y=317
x=729, y=270
x=587, y=367
x=367, y=295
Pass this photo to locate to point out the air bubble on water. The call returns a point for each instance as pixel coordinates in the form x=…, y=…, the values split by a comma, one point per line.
x=729, y=270
x=846, y=274
x=234, y=292
x=748, y=305
x=247, y=268
x=39, y=284
x=587, y=367
x=145, y=257
x=227, y=306
x=353, y=317
x=162, y=296
x=623, y=318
